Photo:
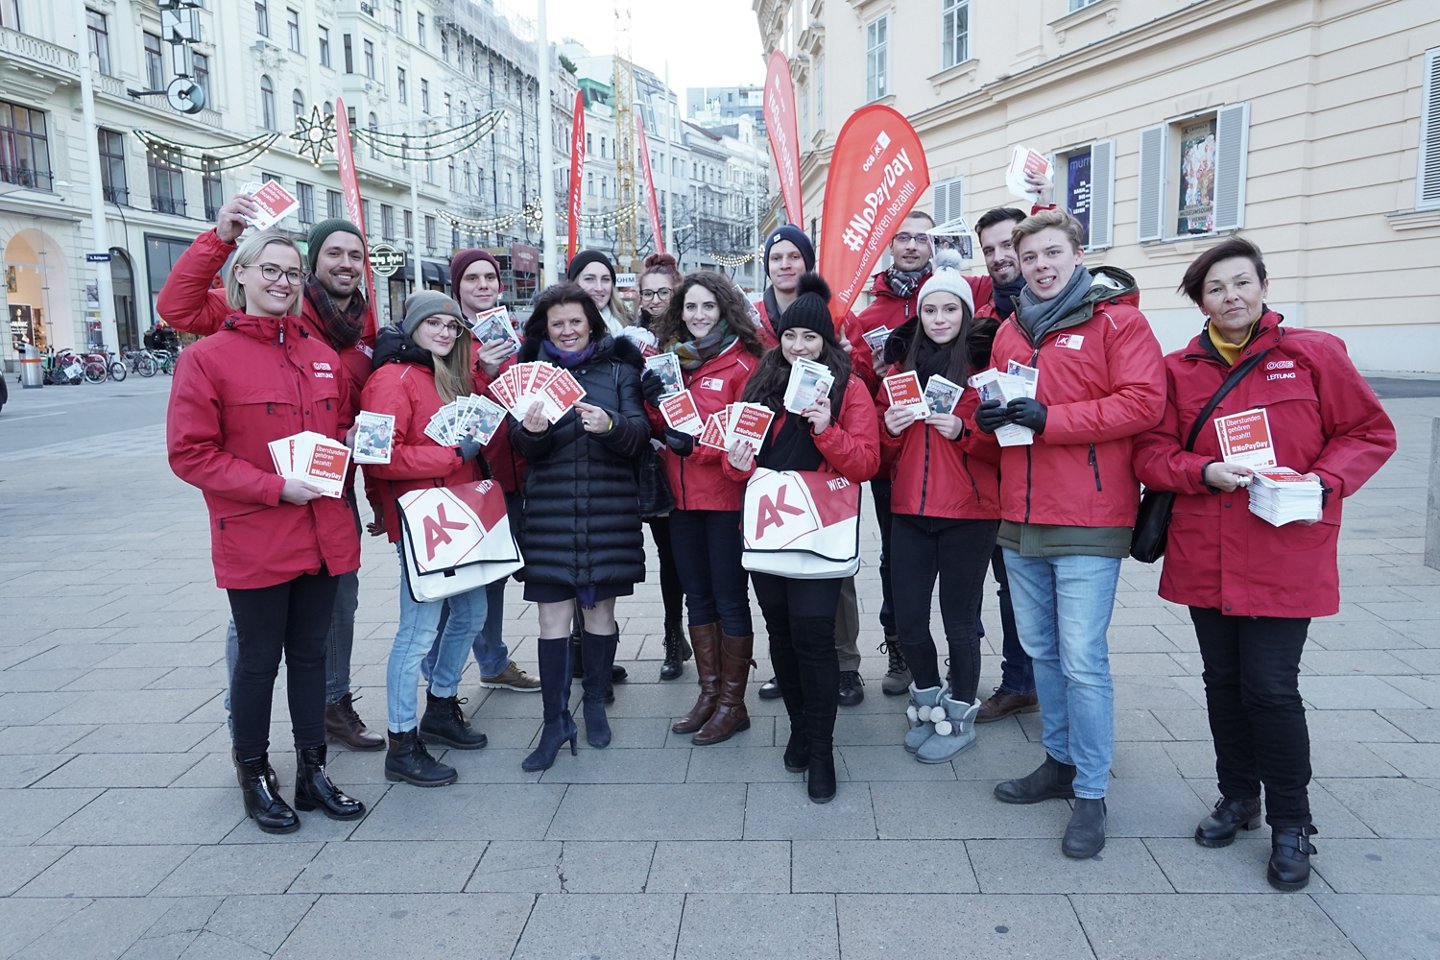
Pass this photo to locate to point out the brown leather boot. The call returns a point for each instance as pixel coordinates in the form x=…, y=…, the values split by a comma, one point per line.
x=342, y=723
x=705, y=639
x=730, y=716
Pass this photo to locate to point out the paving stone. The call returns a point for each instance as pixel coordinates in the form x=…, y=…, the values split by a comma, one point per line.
x=121, y=770
x=1238, y=868
x=575, y=866
x=212, y=946
x=371, y=927
x=873, y=926
x=721, y=926
x=100, y=931
x=1038, y=866
x=1410, y=759
x=21, y=770
x=27, y=709
x=517, y=866
x=131, y=678
x=462, y=812
x=723, y=866
x=225, y=870
x=667, y=811
x=1352, y=663
x=145, y=738
x=880, y=866
x=1152, y=808
x=868, y=730
x=761, y=734
x=635, y=926
x=893, y=763
x=1350, y=693
x=1393, y=927
x=1140, y=760
x=1184, y=724
x=961, y=811
x=1364, y=726
x=150, y=816
x=742, y=765
x=1394, y=809
x=618, y=765
x=1421, y=725
x=783, y=811
x=26, y=815
x=26, y=921
x=1424, y=689
x=315, y=827
x=390, y=867
x=23, y=864
x=119, y=871
x=134, y=706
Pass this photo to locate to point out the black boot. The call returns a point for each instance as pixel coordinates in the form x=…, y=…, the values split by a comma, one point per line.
x=1085, y=834
x=559, y=726
x=262, y=804
x=444, y=722
x=797, y=750
x=820, y=776
x=1220, y=827
x=1052, y=780
x=677, y=651
x=408, y=760
x=599, y=655
x=314, y=791
x=1290, y=852
x=577, y=656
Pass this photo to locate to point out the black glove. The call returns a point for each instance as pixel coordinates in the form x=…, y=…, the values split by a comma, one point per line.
x=652, y=387
x=990, y=416
x=1028, y=412
x=468, y=448
x=681, y=443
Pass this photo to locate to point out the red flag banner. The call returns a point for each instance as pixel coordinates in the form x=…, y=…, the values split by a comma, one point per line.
x=649, y=185
x=577, y=168
x=780, y=130
x=354, y=212
x=877, y=173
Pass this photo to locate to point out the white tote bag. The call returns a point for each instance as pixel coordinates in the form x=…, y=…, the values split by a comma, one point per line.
x=455, y=539
x=801, y=524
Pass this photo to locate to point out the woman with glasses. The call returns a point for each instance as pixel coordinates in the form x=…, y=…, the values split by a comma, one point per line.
x=421, y=365
x=278, y=545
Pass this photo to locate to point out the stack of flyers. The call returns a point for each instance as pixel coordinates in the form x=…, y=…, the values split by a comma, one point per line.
x=471, y=414
x=1018, y=381
x=494, y=326
x=1279, y=495
x=903, y=390
x=374, y=437
x=953, y=235
x=313, y=458
x=667, y=367
x=1245, y=439
x=942, y=395
x=274, y=201
x=875, y=339
x=736, y=422
x=809, y=381
x=522, y=385
x=716, y=430
x=681, y=414
x=1025, y=161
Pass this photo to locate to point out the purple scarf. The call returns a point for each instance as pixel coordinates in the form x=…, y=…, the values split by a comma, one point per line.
x=568, y=358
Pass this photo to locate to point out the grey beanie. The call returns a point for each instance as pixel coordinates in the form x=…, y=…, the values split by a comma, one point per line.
x=428, y=303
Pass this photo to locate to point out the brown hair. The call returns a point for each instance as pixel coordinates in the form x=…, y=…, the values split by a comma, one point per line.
x=1193, y=283
x=734, y=311
x=566, y=291
x=1044, y=220
x=660, y=264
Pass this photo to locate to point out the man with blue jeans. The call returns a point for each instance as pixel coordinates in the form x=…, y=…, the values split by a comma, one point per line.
x=497, y=670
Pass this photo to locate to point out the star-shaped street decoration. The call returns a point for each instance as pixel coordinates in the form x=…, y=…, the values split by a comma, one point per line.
x=315, y=134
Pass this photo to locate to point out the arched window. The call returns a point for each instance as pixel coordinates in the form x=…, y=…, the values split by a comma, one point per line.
x=267, y=103
x=329, y=108
x=297, y=100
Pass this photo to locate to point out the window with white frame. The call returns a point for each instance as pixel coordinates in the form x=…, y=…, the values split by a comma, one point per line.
x=1192, y=174
x=877, y=58
x=98, y=28
x=954, y=32
x=262, y=17
x=305, y=193
x=1080, y=4
x=1427, y=180
x=292, y=26
x=10, y=14
x=267, y=103
x=401, y=89
x=948, y=198
x=324, y=40
x=1085, y=186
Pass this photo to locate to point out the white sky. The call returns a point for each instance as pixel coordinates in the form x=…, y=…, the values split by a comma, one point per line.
x=712, y=43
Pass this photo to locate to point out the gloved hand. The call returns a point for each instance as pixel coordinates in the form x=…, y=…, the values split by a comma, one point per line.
x=1028, y=412
x=652, y=387
x=468, y=448
x=990, y=416
x=681, y=443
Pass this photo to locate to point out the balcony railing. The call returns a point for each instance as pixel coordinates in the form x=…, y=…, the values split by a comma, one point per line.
x=58, y=59
x=164, y=204
x=27, y=176
x=117, y=195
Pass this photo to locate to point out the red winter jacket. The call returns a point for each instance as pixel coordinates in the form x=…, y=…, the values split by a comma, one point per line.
x=506, y=464
x=934, y=477
x=698, y=481
x=850, y=445
x=256, y=380
x=1323, y=418
x=860, y=361
x=407, y=391
x=1101, y=381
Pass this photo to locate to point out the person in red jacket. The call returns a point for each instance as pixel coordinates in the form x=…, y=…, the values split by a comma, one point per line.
x=278, y=544
x=333, y=309
x=1252, y=588
x=1068, y=499
x=945, y=500
x=423, y=364
x=708, y=328
x=837, y=435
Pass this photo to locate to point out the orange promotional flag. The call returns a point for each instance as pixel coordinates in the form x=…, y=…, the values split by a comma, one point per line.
x=780, y=130
x=649, y=185
x=877, y=173
x=577, y=167
x=354, y=212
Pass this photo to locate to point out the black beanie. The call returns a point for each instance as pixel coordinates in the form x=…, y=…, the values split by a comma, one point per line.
x=810, y=309
x=586, y=257
x=796, y=236
x=323, y=229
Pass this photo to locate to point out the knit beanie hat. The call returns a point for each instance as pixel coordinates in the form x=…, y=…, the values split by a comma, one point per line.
x=796, y=236
x=323, y=229
x=947, y=279
x=810, y=310
x=428, y=303
x=463, y=261
x=586, y=257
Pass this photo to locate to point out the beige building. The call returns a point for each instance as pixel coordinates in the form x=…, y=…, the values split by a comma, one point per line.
x=1313, y=126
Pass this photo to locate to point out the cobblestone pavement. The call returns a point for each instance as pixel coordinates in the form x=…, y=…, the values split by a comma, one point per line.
x=122, y=833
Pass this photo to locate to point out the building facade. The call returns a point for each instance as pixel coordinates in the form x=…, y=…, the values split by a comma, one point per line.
x=1312, y=126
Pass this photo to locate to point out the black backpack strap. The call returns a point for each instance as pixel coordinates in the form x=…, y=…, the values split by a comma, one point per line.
x=1236, y=375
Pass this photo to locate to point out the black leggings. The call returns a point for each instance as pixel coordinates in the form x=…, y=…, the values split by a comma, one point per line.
x=800, y=619
x=958, y=551
x=671, y=592
x=292, y=618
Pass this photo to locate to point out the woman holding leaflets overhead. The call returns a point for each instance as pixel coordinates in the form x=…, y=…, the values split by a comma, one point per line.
x=708, y=329
x=837, y=434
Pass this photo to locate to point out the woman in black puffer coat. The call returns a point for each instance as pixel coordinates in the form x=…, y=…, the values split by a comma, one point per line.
x=580, y=525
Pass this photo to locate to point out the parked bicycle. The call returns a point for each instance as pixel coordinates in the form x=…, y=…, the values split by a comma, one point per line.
x=63, y=367
x=100, y=367
x=142, y=362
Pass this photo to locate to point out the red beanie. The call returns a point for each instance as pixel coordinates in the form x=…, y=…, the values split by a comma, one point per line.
x=462, y=261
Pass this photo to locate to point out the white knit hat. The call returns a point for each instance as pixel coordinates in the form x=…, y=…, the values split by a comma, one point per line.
x=947, y=278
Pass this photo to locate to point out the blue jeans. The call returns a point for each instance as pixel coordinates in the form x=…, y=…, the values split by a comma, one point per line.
x=491, y=653
x=707, y=546
x=419, y=623
x=1062, y=611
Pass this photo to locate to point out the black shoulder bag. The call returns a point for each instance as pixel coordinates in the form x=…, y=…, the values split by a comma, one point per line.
x=652, y=489
x=1152, y=522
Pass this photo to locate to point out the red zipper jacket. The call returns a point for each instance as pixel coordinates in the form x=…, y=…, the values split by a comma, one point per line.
x=256, y=380
x=1324, y=418
x=850, y=446
x=934, y=477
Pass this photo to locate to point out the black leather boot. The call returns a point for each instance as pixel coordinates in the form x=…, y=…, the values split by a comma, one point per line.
x=797, y=750
x=444, y=722
x=559, y=726
x=263, y=804
x=1290, y=852
x=599, y=655
x=1085, y=834
x=1220, y=827
x=677, y=651
x=408, y=760
x=315, y=791
x=1052, y=780
x=820, y=776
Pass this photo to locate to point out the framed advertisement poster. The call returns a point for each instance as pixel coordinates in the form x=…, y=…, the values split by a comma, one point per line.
x=1077, y=189
x=1197, y=177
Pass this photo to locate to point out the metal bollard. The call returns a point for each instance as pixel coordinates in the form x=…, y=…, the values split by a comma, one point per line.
x=32, y=374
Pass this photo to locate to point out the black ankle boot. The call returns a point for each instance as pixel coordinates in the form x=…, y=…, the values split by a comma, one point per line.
x=677, y=651
x=315, y=791
x=797, y=750
x=1052, y=780
x=444, y=722
x=1085, y=834
x=1290, y=852
x=408, y=760
x=820, y=776
x=1229, y=815
x=262, y=804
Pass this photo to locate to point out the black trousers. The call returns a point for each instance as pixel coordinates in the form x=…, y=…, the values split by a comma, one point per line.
x=880, y=492
x=958, y=552
x=671, y=592
x=1252, y=689
x=291, y=618
x=800, y=619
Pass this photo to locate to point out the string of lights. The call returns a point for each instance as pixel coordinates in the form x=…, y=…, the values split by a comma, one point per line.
x=731, y=260
x=206, y=159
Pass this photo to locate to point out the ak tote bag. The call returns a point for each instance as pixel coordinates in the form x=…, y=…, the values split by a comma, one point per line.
x=455, y=539
x=801, y=524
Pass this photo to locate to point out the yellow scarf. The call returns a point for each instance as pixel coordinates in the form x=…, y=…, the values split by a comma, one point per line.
x=1230, y=352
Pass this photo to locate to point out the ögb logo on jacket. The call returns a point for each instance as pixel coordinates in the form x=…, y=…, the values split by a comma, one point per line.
x=456, y=539
x=801, y=524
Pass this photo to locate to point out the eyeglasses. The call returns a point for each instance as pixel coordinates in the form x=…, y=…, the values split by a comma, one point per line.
x=271, y=273
x=922, y=239
x=436, y=325
x=662, y=293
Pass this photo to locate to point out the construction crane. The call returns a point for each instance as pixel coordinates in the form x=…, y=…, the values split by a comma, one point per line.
x=623, y=83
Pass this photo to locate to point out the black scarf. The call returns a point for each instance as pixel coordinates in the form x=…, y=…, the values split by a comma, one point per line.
x=792, y=447
x=932, y=358
x=342, y=328
x=904, y=283
x=1004, y=295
